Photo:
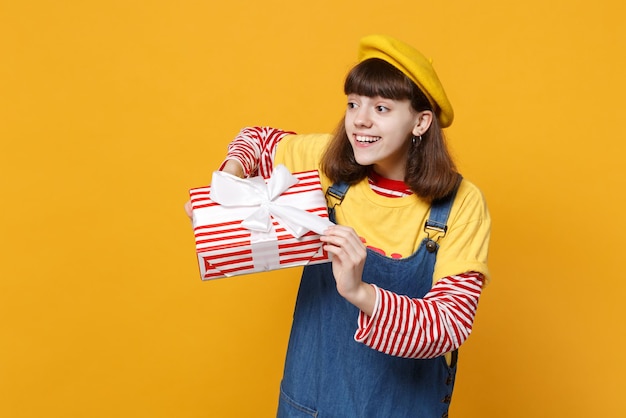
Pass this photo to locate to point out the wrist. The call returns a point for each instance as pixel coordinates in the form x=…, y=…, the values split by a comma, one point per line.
x=363, y=297
x=233, y=167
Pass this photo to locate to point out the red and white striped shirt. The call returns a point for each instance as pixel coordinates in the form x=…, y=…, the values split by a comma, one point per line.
x=399, y=325
x=422, y=328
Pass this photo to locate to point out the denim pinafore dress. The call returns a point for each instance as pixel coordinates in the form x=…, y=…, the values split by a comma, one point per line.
x=328, y=374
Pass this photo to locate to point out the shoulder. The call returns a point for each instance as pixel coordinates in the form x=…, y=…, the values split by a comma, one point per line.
x=469, y=207
x=469, y=196
x=305, y=141
x=302, y=152
x=465, y=245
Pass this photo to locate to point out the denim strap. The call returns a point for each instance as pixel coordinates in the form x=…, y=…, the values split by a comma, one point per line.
x=440, y=210
x=337, y=191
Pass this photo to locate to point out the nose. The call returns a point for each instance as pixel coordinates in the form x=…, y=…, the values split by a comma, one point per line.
x=362, y=118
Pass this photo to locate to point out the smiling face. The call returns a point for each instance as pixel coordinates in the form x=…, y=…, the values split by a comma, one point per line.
x=385, y=109
x=380, y=132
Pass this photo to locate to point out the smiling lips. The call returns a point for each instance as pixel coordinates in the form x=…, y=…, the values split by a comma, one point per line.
x=367, y=139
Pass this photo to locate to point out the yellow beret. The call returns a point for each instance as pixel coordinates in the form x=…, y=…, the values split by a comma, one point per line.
x=414, y=65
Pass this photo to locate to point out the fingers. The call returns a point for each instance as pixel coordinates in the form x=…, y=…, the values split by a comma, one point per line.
x=188, y=209
x=349, y=256
x=344, y=242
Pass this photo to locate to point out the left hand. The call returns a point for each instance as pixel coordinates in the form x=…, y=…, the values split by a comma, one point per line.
x=349, y=255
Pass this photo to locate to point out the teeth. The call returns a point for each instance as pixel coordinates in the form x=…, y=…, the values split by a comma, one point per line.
x=367, y=138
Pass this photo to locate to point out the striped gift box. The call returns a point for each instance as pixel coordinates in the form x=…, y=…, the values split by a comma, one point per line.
x=225, y=248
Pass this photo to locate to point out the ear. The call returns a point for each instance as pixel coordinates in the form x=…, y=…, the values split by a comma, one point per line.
x=422, y=123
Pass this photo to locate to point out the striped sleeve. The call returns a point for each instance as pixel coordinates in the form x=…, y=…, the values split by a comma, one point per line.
x=254, y=149
x=423, y=328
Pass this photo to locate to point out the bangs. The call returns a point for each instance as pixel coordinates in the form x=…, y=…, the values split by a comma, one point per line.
x=375, y=77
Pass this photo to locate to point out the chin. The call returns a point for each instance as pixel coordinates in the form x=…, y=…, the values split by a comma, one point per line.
x=363, y=161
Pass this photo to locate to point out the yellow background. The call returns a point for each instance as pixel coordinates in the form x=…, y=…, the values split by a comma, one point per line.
x=111, y=110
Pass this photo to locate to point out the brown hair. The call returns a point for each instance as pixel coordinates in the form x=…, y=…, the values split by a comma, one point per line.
x=430, y=170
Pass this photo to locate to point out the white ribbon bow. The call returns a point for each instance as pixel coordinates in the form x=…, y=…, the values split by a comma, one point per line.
x=232, y=191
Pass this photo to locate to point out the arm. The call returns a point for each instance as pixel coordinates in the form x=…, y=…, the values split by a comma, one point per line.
x=252, y=152
x=399, y=325
x=423, y=328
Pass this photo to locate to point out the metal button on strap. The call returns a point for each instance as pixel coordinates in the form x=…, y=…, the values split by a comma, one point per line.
x=431, y=246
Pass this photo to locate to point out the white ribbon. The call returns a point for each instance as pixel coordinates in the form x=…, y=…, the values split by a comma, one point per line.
x=255, y=193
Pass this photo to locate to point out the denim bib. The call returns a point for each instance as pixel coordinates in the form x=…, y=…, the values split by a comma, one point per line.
x=328, y=374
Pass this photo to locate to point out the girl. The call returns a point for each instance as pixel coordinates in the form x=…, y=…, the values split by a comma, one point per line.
x=375, y=333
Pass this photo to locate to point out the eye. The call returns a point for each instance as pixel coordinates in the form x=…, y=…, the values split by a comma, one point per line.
x=382, y=109
x=352, y=105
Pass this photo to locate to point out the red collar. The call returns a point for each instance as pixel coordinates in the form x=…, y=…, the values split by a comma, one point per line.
x=385, y=183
